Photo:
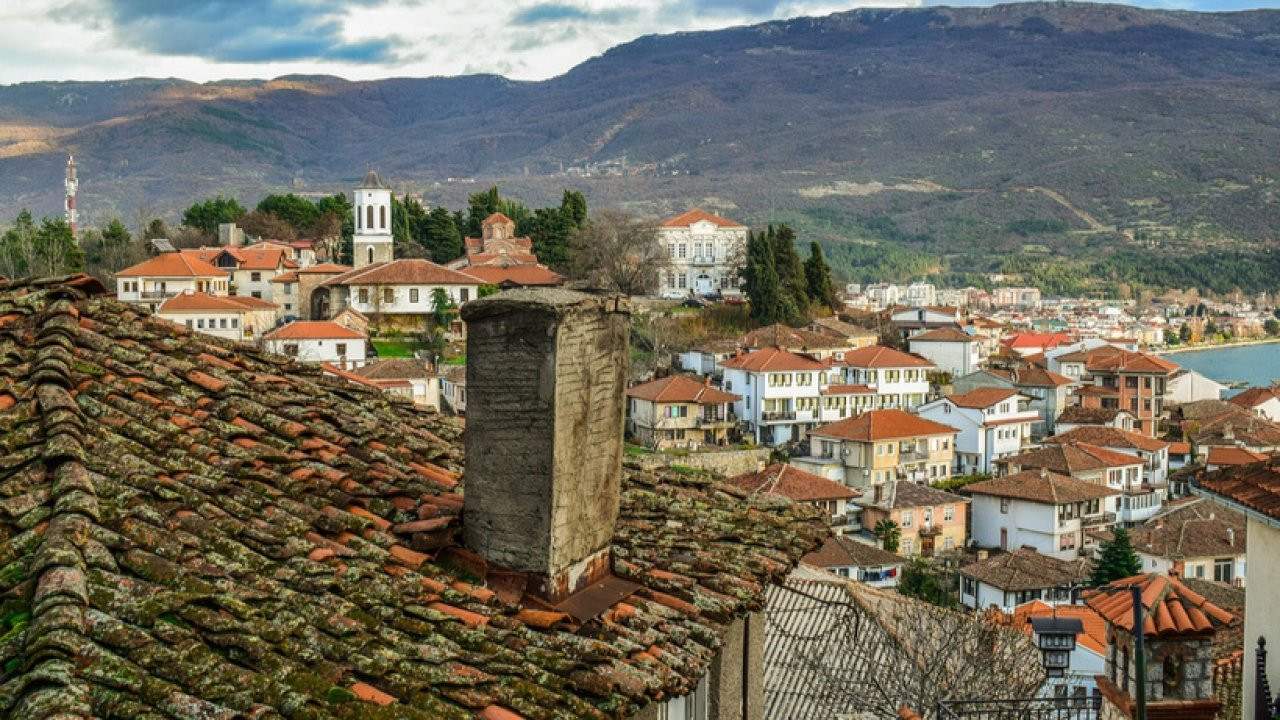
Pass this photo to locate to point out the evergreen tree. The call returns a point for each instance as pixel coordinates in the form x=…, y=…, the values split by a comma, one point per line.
x=760, y=281
x=56, y=249
x=573, y=205
x=208, y=215
x=299, y=212
x=921, y=582
x=1118, y=559
x=440, y=235
x=818, y=277
x=791, y=273
x=17, y=245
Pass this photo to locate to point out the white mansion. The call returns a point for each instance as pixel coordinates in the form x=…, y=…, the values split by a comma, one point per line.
x=704, y=254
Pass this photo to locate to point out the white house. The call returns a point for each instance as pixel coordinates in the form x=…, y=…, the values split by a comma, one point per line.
x=916, y=320
x=899, y=380
x=153, y=281
x=993, y=423
x=403, y=291
x=848, y=557
x=877, y=446
x=1187, y=385
x=1154, y=453
x=1075, y=416
x=1039, y=509
x=1261, y=401
x=1100, y=466
x=230, y=317
x=453, y=390
x=1006, y=580
x=704, y=252
x=318, y=341
x=778, y=392
x=404, y=377
x=951, y=349
x=251, y=267
x=1194, y=538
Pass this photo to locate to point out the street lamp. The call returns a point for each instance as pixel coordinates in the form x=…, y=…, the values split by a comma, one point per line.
x=1056, y=638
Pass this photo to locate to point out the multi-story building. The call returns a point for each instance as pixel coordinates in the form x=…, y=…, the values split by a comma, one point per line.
x=898, y=379
x=951, y=349
x=679, y=412
x=251, y=267
x=920, y=294
x=153, y=281
x=848, y=557
x=792, y=483
x=1194, y=538
x=704, y=254
x=853, y=336
x=878, y=446
x=1154, y=453
x=993, y=423
x=1048, y=391
x=318, y=341
x=225, y=316
x=1100, y=466
x=1120, y=379
x=1007, y=580
x=929, y=520
x=1039, y=509
x=401, y=293
x=779, y=393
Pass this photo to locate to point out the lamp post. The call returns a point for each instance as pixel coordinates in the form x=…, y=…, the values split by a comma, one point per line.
x=1056, y=638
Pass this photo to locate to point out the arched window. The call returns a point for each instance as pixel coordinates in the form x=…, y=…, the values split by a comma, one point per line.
x=359, y=220
x=370, y=254
x=368, y=223
x=382, y=215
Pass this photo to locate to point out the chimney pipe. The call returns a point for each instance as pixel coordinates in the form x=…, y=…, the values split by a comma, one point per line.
x=546, y=378
x=1231, y=537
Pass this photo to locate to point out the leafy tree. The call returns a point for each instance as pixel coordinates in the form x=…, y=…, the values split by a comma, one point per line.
x=1184, y=333
x=157, y=228
x=760, y=282
x=337, y=220
x=47, y=250
x=208, y=215
x=440, y=235
x=919, y=581
x=1271, y=327
x=1210, y=328
x=617, y=251
x=297, y=211
x=268, y=225
x=110, y=249
x=888, y=533
x=1118, y=559
x=442, y=308
x=818, y=276
x=486, y=290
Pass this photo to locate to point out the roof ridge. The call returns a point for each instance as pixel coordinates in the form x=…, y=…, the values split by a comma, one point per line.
x=61, y=597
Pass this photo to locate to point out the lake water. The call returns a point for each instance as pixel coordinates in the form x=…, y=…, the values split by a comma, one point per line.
x=1254, y=364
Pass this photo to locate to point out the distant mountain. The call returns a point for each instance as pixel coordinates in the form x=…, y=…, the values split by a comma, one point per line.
x=1038, y=130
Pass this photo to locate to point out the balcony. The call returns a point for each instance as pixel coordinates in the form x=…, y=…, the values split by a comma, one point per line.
x=930, y=529
x=702, y=260
x=778, y=416
x=715, y=421
x=157, y=294
x=1099, y=520
x=912, y=456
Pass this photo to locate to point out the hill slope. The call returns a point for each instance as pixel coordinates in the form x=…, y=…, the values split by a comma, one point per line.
x=1040, y=130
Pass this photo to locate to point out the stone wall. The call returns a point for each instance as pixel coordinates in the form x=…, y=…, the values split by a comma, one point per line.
x=722, y=462
x=546, y=376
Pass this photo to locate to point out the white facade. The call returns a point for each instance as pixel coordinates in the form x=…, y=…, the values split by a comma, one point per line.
x=1260, y=616
x=343, y=351
x=154, y=289
x=778, y=407
x=373, y=300
x=895, y=387
x=1008, y=523
x=986, y=434
x=372, y=209
x=704, y=255
x=956, y=357
x=921, y=293
x=244, y=324
x=1188, y=386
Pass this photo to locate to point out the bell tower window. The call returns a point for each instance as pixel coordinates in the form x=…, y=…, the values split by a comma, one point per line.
x=368, y=223
x=382, y=216
x=370, y=254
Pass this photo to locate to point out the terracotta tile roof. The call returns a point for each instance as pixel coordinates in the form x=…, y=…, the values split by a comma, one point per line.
x=773, y=360
x=1220, y=456
x=1195, y=529
x=313, y=330
x=879, y=356
x=286, y=277
x=198, y=529
x=847, y=390
x=885, y=424
x=1108, y=437
x=690, y=217
x=1180, y=448
x=1078, y=415
x=173, y=264
x=844, y=551
x=946, y=334
x=840, y=328
x=395, y=369
x=515, y=275
x=259, y=256
x=1255, y=487
x=1026, y=569
x=1240, y=428
x=1034, y=376
x=1070, y=459
x=1171, y=608
x=414, y=271
x=1202, y=410
x=792, y=483
x=1254, y=396
x=1111, y=359
x=1044, y=341
x=902, y=494
x=196, y=301
x=779, y=335
x=324, y=269
x=1097, y=390
x=1042, y=487
x=496, y=218
x=982, y=398
x=681, y=389
x=1094, y=635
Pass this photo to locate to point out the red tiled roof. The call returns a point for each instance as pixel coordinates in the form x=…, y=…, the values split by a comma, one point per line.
x=1233, y=456
x=325, y=268
x=496, y=218
x=1254, y=486
x=173, y=264
x=1080, y=415
x=844, y=551
x=1254, y=396
x=1044, y=341
x=1109, y=437
x=982, y=398
x=1070, y=459
x=792, y=483
x=1196, y=527
x=773, y=360
x=1094, y=635
x=879, y=356
x=521, y=275
x=286, y=277
x=680, y=389
x=260, y=256
x=1042, y=487
x=1109, y=358
x=779, y=335
x=847, y=390
x=690, y=217
x=1171, y=608
x=1180, y=448
x=196, y=301
x=945, y=334
x=1026, y=569
x=886, y=424
x=1035, y=376
x=1097, y=390
x=313, y=330
x=414, y=271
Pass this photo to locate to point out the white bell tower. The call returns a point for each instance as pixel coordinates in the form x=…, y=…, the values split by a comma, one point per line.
x=372, y=241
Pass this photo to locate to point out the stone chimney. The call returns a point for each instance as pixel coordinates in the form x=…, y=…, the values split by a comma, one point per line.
x=546, y=382
x=230, y=235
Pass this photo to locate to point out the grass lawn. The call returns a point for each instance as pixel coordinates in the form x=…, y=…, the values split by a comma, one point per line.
x=396, y=348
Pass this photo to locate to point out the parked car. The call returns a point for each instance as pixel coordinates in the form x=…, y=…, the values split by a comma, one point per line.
x=695, y=302
x=672, y=294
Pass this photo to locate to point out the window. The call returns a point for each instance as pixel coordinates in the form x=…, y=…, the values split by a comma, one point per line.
x=222, y=323
x=675, y=411
x=683, y=282
x=948, y=513
x=255, y=276
x=288, y=306
x=413, y=295
x=370, y=254
x=235, y=322
x=908, y=517
x=948, y=543
x=257, y=294
x=364, y=296
x=382, y=215
x=464, y=295
x=291, y=350
x=288, y=288
x=388, y=296
x=1223, y=570
x=200, y=323
x=682, y=250
x=1004, y=505
x=342, y=349
x=368, y=223
x=189, y=323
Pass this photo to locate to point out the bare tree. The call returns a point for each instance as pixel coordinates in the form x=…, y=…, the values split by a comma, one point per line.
x=618, y=251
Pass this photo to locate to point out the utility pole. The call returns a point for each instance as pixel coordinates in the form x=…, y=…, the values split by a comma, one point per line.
x=1140, y=667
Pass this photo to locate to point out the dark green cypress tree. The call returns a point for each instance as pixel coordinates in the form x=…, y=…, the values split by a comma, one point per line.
x=1118, y=559
x=760, y=281
x=818, y=276
x=790, y=271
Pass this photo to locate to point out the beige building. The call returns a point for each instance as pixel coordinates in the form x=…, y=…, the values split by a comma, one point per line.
x=230, y=317
x=929, y=520
x=880, y=446
x=679, y=412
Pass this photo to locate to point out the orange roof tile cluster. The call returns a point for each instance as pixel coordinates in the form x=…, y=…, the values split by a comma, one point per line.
x=324, y=269
x=690, y=217
x=1094, y=635
x=681, y=389
x=982, y=398
x=1043, y=341
x=173, y=264
x=1111, y=359
x=773, y=359
x=515, y=275
x=792, y=483
x=286, y=277
x=1170, y=608
x=779, y=335
x=199, y=301
x=1080, y=415
x=844, y=551
x=1070, y=459
x=410, y=271
x=313, y=330
x=885, y=424
x=1042, y=487
x=1221, y=456
x=1194, y=527
x=259, y=256
x=1035, y=376
x=1255, y=396
x=879, y=356
x=1026, y=569
x=1254, y=487
x=1108, y=437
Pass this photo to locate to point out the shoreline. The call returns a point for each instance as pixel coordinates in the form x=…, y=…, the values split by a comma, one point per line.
x=1224, y=346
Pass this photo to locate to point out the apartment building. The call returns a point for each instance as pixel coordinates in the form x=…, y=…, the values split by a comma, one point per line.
x=993, y=423
x=878, y=446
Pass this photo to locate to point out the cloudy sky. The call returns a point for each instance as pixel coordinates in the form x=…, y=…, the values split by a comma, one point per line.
x=525, y=39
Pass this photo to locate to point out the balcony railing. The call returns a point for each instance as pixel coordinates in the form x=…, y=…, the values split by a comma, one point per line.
x=912, y=456
x=703, y=260
x=708, y=420
x=778, y=415
x=1077, y=707
x=931, y=529
x=1106, y=518
x=157, y=294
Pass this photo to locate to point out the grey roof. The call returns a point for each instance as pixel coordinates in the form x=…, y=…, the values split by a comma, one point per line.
x=373, y=182
x=395, y=369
